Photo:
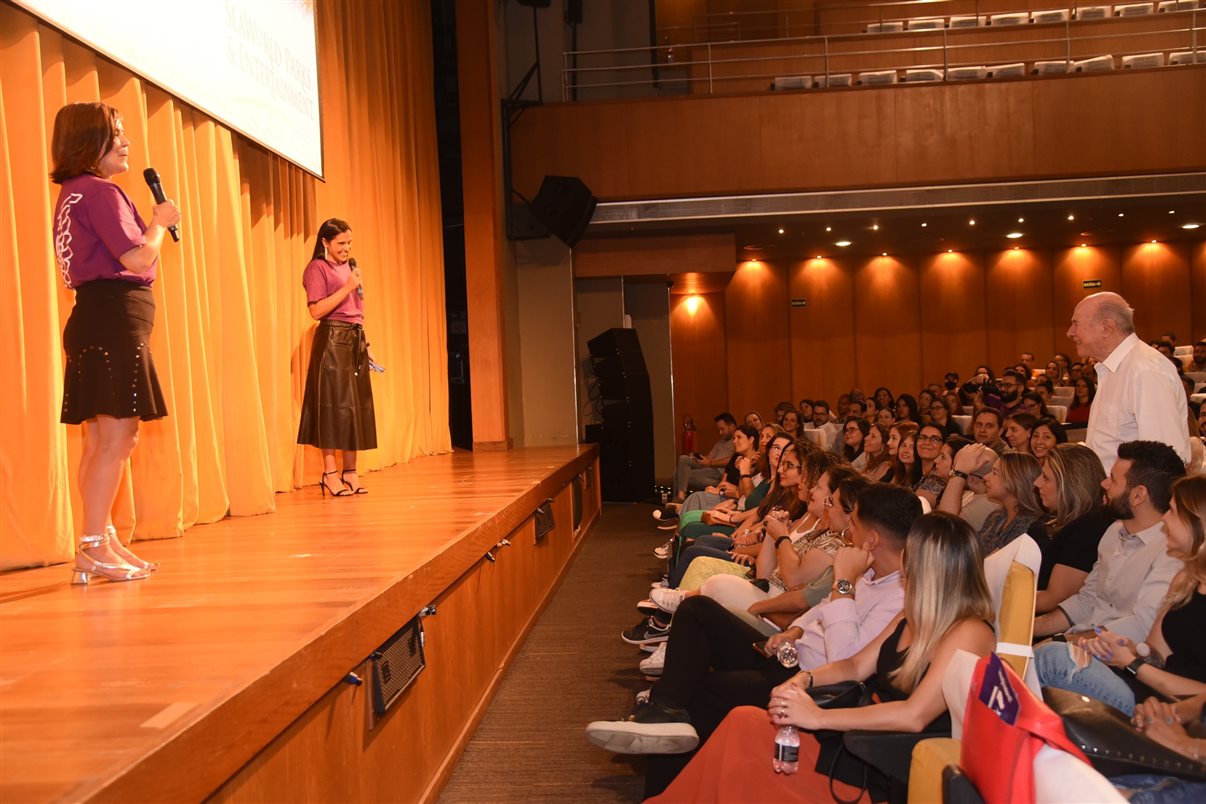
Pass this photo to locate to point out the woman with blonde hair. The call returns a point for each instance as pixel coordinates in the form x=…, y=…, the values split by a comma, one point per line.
x=1171, y=663
x=1010, y=484
x=947, y=607
x=1069, y=488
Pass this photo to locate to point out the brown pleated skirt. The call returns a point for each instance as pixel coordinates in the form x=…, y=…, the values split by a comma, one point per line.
x=337, y=410
x=108, y=344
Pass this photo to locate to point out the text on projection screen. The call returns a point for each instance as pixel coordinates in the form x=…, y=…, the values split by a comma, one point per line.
x=251, y=64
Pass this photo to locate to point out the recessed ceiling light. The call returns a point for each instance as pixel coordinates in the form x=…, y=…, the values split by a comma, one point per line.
x=1014, y=235
x=780, y=230
x=950, y=251
x=1084, y=245
x=1172, y=212
x=1071, y=217
x=884, y=254
x=1122, y=214
x=972, y=222
x=1015, y=248
x=1190, y=225
x=817, y=257
x=924, y=225
x=1021, y=220
x=828, y=228
x=1153, y=241
x=842, y=243
x=875, y=227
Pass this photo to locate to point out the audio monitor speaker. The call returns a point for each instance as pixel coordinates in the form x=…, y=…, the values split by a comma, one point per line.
x=564, y=206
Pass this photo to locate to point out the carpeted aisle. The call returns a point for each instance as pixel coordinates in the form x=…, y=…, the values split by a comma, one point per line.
x=572, y=669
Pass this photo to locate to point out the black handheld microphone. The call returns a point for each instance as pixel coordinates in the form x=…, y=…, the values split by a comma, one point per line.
x=151, y=175
x=360, y=287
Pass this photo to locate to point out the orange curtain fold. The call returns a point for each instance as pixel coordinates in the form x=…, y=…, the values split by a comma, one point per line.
x=232, y=335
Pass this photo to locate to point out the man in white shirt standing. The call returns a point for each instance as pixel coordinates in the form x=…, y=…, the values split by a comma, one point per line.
x=1139, y=396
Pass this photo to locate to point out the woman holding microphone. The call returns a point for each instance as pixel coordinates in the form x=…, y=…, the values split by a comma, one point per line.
x=109, y=257
x=337, y=411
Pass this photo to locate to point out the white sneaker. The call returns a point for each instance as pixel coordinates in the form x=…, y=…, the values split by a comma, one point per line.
x=667, y=600
x=653, y=666
x=642, y=697
x=662, y=584
x=663, y=552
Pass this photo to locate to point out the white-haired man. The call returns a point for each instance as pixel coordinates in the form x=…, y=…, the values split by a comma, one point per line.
x=1139, y=396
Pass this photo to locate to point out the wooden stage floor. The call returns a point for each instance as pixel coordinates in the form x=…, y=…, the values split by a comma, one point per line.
x=123, y=689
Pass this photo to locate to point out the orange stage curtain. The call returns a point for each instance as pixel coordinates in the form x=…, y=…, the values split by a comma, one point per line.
x=232, y=337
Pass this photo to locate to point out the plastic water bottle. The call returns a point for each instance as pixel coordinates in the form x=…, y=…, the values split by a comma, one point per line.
x=787, y=750
x=787, y=654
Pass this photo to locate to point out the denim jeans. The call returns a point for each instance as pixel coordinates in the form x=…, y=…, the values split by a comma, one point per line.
x=1056, y=668
x=1152, y=789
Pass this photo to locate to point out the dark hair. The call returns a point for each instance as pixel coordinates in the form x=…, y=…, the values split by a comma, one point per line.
x=806, y=402
x=750, y=432
x=864, y=427
x=991, y=411
x=891, y=510
x=1045, y=382
x=1155, y=466
x=850, y=488
x=875, y=393
x=1052, y=424
x=820, y=403
x=1034, y=397
x=727, y=418
x=329, y=230
x=956, y=443
x=83, y=134
x=914, y=414
x=1092, y=386
x=1015, y=374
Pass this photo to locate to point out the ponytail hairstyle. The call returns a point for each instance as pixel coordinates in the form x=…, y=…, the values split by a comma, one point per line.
x=329, y=230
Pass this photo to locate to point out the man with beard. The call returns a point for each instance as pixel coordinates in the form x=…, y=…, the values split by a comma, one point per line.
x=1139, y=395
x=1128, y=582
x=1011, y=386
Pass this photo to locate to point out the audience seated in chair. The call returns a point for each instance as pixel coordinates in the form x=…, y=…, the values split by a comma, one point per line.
x=699, y=471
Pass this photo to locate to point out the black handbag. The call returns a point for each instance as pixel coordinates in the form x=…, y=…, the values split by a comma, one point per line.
x=1112, y=744
x=833, y=760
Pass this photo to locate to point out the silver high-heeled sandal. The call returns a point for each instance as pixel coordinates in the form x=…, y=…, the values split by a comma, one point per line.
x=124, y=553
x=86, y=566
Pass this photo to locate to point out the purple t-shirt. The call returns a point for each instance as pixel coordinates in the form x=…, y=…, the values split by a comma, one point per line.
x=94, y=224
x=321, y=279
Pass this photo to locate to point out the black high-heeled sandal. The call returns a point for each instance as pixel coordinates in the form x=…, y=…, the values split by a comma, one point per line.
x=357, y=489
x=322, y=484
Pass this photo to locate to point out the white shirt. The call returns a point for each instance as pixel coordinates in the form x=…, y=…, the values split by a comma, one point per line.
x=1139, y=398
x=1126, y=588
x=838, y=627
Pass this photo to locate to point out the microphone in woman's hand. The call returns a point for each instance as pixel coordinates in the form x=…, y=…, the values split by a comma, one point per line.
x=360, y=287
x=151, y=177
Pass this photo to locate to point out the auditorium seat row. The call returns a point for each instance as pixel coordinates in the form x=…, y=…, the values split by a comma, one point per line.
x=1055, y=15
x=981, y=72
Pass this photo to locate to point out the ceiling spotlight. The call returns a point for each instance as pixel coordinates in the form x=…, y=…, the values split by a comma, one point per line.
x=1153, y=242
x=884, y=254
x=1014, y=235
x=1021, y=220
x=1084, y=245
x=875, y=227
x=971, y=222
x=1015, y=248
x=780, y=230
x=1190, y=225
x=817, y=257
x=828, y=228
x=1071, y=217
x=1122, y=214
x=842, y=243
x=924, y=225
x=1172, y=212
x=950, y=251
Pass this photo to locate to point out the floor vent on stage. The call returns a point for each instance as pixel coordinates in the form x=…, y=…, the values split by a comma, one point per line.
x=398, y=662
x=544, y=519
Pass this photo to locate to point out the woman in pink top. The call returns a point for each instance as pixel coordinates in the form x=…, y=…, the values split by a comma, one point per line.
x=337, y=412
x=109, y=257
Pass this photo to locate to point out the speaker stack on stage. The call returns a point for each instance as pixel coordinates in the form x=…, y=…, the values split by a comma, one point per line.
x=625, y=437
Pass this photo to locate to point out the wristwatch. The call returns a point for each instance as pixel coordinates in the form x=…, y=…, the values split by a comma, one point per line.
x=1133, y=667
x=843, y=587
x=958, y=473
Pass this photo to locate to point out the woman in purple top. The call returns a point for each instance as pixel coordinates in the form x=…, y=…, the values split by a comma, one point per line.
x=337, y=412
x=109, y=257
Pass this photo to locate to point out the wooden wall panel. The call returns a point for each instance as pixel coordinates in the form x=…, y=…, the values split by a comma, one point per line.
x=756, y=324
x=666, y=254
x=1019, y=306
x=1197, y=274
x=954, y=323
x=822, y=333
x=697, y=352
x=1156, y=282
x=777, y=142
x=887, y=320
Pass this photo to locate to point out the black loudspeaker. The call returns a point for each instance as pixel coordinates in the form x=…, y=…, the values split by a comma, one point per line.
x=625, y=438
x=536, y=3
x=564, y=206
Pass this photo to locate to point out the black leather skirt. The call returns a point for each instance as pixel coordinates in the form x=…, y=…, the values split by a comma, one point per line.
x=337, y=411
